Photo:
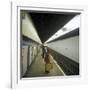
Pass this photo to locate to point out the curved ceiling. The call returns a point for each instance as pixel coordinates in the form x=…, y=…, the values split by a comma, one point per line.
x=47, y=24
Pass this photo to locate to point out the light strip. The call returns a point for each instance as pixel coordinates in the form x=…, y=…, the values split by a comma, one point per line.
x=70, y=26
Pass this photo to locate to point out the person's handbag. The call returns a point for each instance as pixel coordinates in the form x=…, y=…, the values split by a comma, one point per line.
x=48, y=66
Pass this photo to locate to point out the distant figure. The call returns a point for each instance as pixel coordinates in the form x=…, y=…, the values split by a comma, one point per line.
x=44, y=51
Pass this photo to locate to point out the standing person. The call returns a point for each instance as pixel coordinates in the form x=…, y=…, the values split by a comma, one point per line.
x=44, y=51
x=46, y=57
x=48, y=64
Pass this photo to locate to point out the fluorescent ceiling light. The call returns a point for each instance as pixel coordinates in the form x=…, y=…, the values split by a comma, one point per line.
x=70, y=26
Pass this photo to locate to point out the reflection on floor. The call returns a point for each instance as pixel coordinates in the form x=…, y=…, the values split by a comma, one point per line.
x=37, y=68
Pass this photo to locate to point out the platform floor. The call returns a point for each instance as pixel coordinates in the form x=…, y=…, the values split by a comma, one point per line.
x=37, y=68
